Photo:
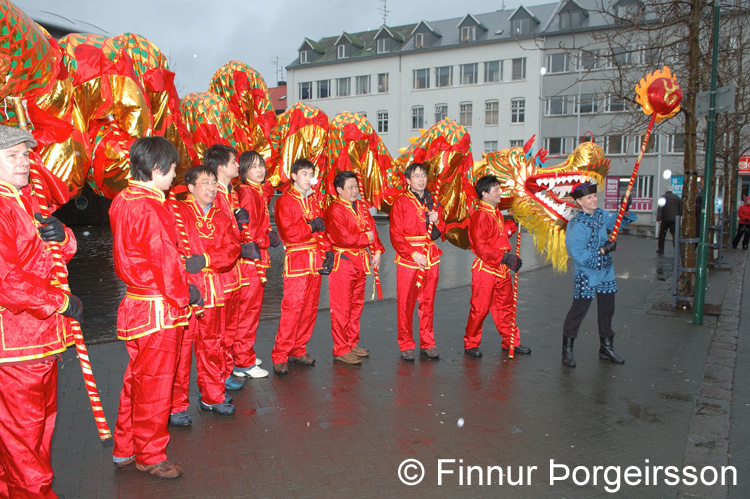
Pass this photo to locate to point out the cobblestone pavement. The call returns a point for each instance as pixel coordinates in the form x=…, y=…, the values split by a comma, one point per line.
x=335, y=431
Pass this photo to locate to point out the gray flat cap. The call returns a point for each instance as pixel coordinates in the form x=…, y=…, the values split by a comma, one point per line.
x=11, y=136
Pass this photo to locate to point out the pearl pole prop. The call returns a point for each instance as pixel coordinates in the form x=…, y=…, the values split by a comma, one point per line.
x=40, y=191
x=513, y=338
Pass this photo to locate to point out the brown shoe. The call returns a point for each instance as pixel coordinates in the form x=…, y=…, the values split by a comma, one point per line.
x=164, y=469
x=360, y=352
x=431, y=353
x=281, y=368
x=408, y=354
x=307, y=360
x=124, y=464
x=348, y=358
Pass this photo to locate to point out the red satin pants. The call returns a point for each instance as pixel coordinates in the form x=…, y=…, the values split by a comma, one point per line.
x=490, y=294
x=251, y=299
x=299, y=309
x=346, y=291
x=146, y=397
x=28, y=406
x=407, y=295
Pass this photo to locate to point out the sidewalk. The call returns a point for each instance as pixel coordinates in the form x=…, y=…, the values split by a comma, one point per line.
x=336, y=431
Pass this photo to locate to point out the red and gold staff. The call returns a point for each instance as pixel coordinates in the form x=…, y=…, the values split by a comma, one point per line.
x=222, y=160
x=351, y=230
x=491, y=285
x=253, y=197
x=214, y=248
x=32, y=323
x=412, y=214
x=298, y=218
x=154, y=312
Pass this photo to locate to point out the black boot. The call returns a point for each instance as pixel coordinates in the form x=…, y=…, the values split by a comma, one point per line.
x=567, y=351
x=607, y=351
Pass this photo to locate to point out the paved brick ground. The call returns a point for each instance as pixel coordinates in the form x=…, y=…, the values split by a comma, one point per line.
x=332, y=430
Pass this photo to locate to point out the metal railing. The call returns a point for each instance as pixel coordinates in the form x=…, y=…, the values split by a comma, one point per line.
x=718, y=237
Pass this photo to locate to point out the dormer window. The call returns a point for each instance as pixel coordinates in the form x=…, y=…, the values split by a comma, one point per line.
x=342, y=52
x=521, y=26
x=304, y=57
x=384, y=45
x=571, y=19
x=419, y=41
x=628, y=9
x=468, y=34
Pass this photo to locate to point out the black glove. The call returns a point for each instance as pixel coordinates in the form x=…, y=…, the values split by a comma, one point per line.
x=195, y=295
x=609, y=246
x=317, y=224
x=51, y=230
x=327, y=264
x=242, y=217
x=630, y=201
x=435, y=234
x=512, y=261
x=195, y=264
x=251, y=251
x=274, y=238
x=74, y=310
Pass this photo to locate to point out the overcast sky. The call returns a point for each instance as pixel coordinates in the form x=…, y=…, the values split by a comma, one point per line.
x=198, y=37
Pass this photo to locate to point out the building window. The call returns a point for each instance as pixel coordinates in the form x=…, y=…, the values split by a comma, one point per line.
x=468, y=33
x=570, y=19
x=516, y=143
x=555, y=145
x=651, y=148
x=587, y=104
x=491, y=108
x=677, y=143
x=521, y=26
x=518, y=110
x=558, y=63
x=419, y=41
x=469, y=74
x=490, y=146
x=588, y=60
x=441, y=112
x=363, y=113
x=465, y=115
x=324, y=89
x=383, y=83
x=643, y=188
x=556, y=106
x=619, y=57
x=384, y=45
x=444, y=76
x=343, y=87
x=363, y=85
x=615, y=104
x=493, y=71
x=343, y=51
x=417, y=117
x=382, y=121
x=519, y=68
x=629, y=10
x=305, y=90
x=616, y=144
x=421, y=78
x=303, y=57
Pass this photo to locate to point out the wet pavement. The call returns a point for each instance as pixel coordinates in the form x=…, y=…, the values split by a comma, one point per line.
x=338, y=431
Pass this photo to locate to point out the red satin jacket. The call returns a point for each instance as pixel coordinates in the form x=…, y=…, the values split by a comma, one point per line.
x=253, y=198
x=488, y=237
x=30, y=327
x=409, y=230
x=304, y=250
x=346, y=229
x=226, y=201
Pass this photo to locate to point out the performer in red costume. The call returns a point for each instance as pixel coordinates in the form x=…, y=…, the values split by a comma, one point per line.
x=254, y=197
x=351, y=230
x=411, y=215
x=32, y=325
x=223, y=161
x=215, y=249
x=298, y=217
x=491, y=285
x=154, y=311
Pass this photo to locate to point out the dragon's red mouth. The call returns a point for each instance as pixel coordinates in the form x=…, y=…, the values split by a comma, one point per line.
x=552, y=190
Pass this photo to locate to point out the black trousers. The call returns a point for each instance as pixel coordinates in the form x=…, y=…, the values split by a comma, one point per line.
x=742, y=229
x=663, y=228
x=605, y=307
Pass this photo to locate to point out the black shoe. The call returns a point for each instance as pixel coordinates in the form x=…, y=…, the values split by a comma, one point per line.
x=567, y=351
x=659, y=252
x=607, y=351
x=180, y=419
x=520, y=349
x=430, y=353
x=474, y=352
x=224, y=408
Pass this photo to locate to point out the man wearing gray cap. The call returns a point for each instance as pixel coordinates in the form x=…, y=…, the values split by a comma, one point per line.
x=33, y=324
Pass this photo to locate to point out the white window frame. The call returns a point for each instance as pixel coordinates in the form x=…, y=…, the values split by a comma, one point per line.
x=383, y=82
x=491, y=112
x=468, y=34
x=363, y=85
x=523, y=69
x=490, y=146
x=499, y=71
x=382, y=121
x=419, y=41
x=382, y=46
x=305, y=85
x=518, y=110
x=563, y=105
x=558, y=63
x=466, y=113
x=417, y=117
x=324, y=84
x=416, y=77
x=348, y=84
x=438, y=76
x=473, y=74
x=623, y=145
x=303, y=57
x=341, y=52
x=441, y=112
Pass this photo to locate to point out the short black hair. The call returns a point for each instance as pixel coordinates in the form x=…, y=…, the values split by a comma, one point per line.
x=340, y=181
x=247, y=160
x=151, y=153
x=485, y=184
x=302, y=164
x=217, y=155
x=191, y=176
x=416, y=166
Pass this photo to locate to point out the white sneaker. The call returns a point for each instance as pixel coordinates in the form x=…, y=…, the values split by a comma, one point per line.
x=252, y=372
x=258, y=361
